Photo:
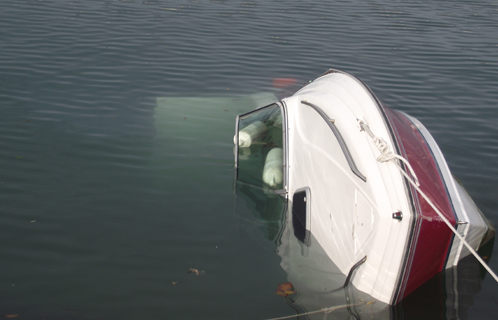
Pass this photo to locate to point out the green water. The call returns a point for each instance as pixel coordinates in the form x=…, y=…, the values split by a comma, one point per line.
x=116, y=153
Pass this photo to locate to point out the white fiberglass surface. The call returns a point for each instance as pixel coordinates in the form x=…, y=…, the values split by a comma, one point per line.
x=350, y=218
x=477, y=225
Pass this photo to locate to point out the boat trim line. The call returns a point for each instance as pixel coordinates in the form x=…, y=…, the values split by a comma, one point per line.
x=339, y=138
x=353, y=268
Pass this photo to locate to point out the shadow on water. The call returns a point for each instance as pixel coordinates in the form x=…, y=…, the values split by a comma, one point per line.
x=319, y=284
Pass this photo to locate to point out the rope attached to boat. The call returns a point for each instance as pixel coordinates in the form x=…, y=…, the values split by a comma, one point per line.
x=387, y=155
x=324, y=310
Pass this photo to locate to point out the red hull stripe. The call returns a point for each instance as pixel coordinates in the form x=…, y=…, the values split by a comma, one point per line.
x=431, y=239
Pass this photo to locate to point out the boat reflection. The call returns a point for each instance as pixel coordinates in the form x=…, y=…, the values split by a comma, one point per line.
x=319, y=284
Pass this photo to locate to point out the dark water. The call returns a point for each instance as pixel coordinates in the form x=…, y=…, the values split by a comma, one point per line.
x=104, y=206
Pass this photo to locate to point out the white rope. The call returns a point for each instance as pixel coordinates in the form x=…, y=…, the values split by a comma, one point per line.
x=387, y=155
x=456, y=232
x=324, y=310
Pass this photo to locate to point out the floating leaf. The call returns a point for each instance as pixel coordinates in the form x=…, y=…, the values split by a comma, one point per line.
x=194, y=271
x=197, y=272
x=285, y=289
x=11, y=315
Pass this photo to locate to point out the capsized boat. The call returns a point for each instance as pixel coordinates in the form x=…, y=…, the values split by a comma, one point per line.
x=366, y=182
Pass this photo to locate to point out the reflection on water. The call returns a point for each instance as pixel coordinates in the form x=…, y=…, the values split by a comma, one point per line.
x=449, y=295
x=319, y=284
x=264, y=206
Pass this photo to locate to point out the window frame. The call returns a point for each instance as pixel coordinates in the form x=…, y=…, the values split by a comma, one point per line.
x=284, y=191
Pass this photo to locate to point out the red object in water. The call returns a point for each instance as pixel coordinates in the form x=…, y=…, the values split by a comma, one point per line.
x=283, y=82
x=285, y=289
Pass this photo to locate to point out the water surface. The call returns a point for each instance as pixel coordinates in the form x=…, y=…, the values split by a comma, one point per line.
x=106, y=206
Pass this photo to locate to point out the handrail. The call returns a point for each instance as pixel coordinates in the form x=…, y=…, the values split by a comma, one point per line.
x=339, y=138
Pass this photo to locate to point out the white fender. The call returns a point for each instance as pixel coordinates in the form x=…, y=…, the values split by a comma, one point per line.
x=273, y=170
x=251, y=133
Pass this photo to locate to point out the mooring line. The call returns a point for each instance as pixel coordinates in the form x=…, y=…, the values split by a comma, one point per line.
x=324, y=310
x=388, y=156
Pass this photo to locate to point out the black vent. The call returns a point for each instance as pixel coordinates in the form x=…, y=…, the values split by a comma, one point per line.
x=300, y=207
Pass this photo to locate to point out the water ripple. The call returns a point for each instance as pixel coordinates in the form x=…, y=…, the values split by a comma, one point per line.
x=78, y=84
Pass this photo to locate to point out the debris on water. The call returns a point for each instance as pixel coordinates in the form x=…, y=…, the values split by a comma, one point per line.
x=197, y=272
x=285, y=289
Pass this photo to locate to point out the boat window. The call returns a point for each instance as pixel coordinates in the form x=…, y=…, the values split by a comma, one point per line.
x=260, y=148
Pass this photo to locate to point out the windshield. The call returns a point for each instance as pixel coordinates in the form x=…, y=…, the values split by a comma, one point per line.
x=260, y=148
